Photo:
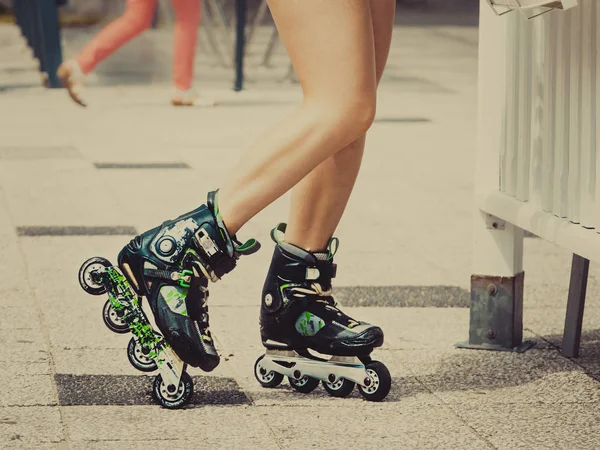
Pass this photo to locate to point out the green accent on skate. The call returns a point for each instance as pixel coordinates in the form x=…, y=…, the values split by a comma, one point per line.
x=192, y=252
x=308, y=324
x=332, y=247
x=247, y=246
x=185, y=273
x=175, y=299
x=278, y=233
x=123, y=298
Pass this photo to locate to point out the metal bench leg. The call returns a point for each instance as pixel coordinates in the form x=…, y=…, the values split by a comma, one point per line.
x=575, y=306
x=496, y=312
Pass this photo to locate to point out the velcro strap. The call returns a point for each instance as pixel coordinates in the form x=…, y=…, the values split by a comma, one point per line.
x=323, y=273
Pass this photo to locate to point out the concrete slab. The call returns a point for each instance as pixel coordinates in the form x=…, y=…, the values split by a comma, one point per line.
x=414, y=427
x=24, y=346
x=183, y=444
x=28, y=390
x=36, y=199
x=223, y=427
x=563, y=426
x=536, y=376
x=30, y=427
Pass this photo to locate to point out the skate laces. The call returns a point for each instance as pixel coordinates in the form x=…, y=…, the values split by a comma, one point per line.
x=315, y=289
x=323, y=295
x=202, y=324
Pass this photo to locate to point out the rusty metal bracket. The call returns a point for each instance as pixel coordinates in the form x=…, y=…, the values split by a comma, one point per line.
x=496, y=314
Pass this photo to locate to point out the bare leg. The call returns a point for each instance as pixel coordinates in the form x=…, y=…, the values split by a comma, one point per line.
x=331, y=46
x=136, y=18
x=320, y=199
x=187, y=14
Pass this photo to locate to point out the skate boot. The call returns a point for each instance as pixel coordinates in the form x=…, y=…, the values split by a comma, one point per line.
x=171, y=266
x=298, y=314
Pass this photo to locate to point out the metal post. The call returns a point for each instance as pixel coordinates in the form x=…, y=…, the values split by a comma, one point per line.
x=496, y=313
x=575, y=305
x=241, y=11
x=49, y=40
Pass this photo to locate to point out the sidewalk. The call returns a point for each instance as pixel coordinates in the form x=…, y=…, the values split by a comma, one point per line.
x=404, y=263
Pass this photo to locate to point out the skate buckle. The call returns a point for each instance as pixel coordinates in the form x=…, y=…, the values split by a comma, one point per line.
x=207, y=244
x=184, y=277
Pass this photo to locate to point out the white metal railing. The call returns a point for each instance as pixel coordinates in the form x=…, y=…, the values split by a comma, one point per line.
x=539, y=124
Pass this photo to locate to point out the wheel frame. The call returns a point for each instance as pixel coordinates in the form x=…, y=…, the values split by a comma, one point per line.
x=110, y=324
x=380, y=375
x=84, y=282
x=305, y=385
x=134, y=360
x=188, y=391
x=275, y=378
x=344, y=390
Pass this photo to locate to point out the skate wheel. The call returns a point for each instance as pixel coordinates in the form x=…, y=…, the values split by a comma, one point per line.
x=266, y=379
x=88, y=269
x=177, y=399
x=138, y=359
x=305, y=384
x=112, y=320
x=380, y=382
x=341, y=388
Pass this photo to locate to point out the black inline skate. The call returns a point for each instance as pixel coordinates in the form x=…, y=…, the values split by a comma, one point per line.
x=171, y=266
x=298, y=314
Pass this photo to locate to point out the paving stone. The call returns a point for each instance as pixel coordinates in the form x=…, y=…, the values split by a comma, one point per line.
x=30, y=427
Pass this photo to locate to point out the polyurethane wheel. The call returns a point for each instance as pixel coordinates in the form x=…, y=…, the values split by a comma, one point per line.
x=170, y=397
x=138, y=356
x=267, y=379
x=379, y=384
x=341, y=388
x=112, y=320
x=305, y=384
x=88, y=278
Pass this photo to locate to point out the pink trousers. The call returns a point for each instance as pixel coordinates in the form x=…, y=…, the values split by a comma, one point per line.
x=136, y=18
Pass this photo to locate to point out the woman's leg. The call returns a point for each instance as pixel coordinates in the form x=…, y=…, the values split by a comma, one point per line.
x=136, y=18
x=331, y=46
x=319, y=200
x=187, y=14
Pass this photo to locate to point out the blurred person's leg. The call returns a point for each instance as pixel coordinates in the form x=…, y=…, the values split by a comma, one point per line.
x=136, y=18
x=187, y=14
x=320, y=199
x=331, y=47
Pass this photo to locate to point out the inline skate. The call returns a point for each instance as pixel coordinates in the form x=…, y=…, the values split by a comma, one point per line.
x=298, y=314
x=170, y=266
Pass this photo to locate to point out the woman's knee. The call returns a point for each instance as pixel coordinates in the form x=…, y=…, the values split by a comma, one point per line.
x=351, y=115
